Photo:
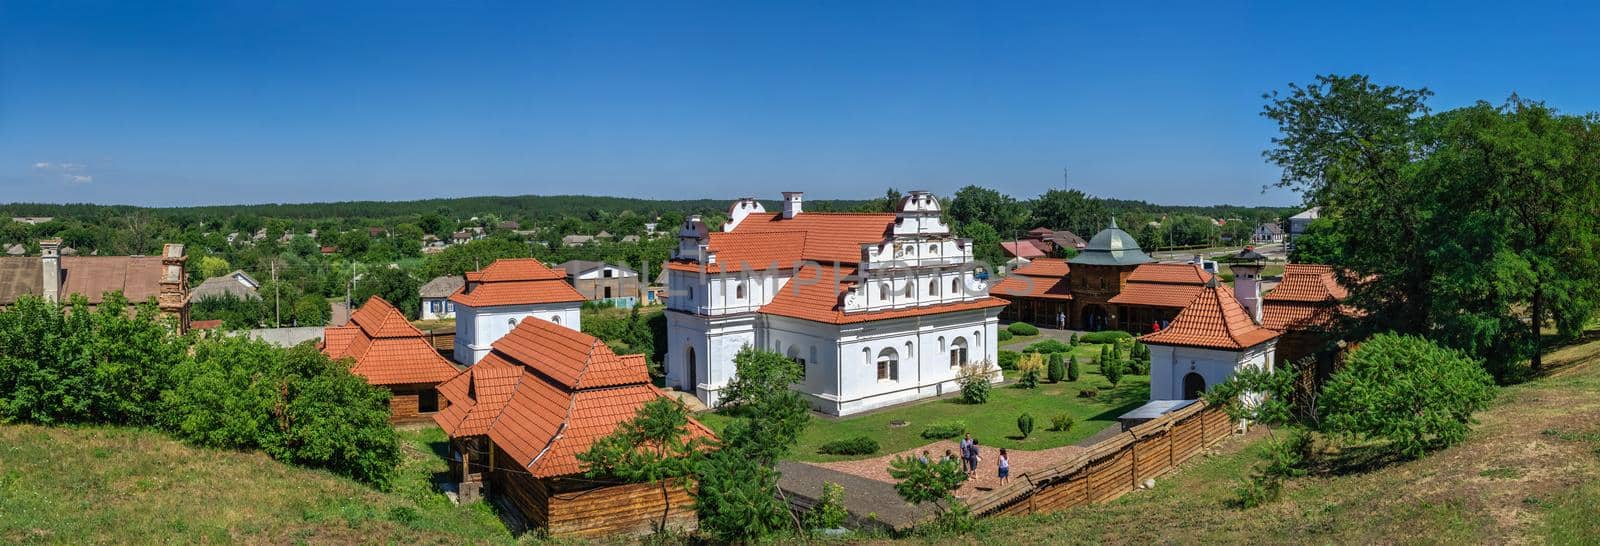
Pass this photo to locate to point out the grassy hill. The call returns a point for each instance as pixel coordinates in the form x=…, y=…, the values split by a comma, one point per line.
x=1529, y=473
x=109, y=485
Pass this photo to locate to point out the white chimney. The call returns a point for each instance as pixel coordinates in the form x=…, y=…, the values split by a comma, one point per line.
x=792, y=204
x=1247, y=288
x=50, y=264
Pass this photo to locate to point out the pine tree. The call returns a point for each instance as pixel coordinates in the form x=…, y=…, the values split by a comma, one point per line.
x=1072, y=368
x=1058, y=367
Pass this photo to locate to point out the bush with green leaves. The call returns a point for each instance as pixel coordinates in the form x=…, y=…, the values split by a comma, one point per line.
x=1074, y=339
x=1073, y=372
x=855, y=445
x=1048, y=346
x=1407, y=390
x=918, y=482
x=1058, y=368
x=1088, y=393
x=295, y=404
x=1107, y=336
x=1022, y=329
x=1137, y=367
x=1025, y=424
x=1008, y=359
x=829, y=512
x=738, y=500
x=1030, y=371
x=1061, y=422
x=1004, y=335
x=1113, y=370
x=944, y=431
x=975, y=382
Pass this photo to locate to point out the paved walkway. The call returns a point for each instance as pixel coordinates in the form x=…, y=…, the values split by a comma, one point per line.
x=871, y=503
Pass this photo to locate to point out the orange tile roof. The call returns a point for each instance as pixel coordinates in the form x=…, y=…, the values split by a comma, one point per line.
x=386, y=349
x=520, y=281
x=1308, y=283
x=546, y=395
x=1169, y=273
x=1156, y=294
x=1307, y=299
x=817, y=294
x=749, y=251
x=831, y=236
x=1162, y=285
x=1214, y=320
x=1045, y=267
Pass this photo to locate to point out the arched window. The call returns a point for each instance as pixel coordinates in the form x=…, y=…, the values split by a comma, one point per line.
x=555, y=318
x=955, y=286
x=941, y=343
x=910, y=290
x=883, y=291
x=512, y=322
x=933, y=288
x=958, y=352
x=738, y=290
x=888, y=365
x=933, y=249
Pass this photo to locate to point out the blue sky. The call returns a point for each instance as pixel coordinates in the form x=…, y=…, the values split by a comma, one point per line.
x=244, y=102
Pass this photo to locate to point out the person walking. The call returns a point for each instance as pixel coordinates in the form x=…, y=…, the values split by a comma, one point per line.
x=1005, y=467
x=1061, y=320
x=975, y=457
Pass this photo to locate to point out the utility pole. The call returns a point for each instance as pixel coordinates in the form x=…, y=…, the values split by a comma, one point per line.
x=277, y=312
x=349, y=288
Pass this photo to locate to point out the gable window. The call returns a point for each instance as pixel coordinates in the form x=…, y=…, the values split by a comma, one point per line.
x=888, y=365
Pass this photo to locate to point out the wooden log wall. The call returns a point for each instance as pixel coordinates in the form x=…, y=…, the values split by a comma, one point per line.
x=626, y=509
x=1113, y=467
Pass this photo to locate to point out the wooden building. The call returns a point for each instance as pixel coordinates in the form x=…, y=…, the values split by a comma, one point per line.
x=1305, y=307
x=1110, y=284
x=518, y=419
x=391, y=353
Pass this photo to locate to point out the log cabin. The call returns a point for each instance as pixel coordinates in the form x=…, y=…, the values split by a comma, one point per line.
x=518, y=419
x=391, y=353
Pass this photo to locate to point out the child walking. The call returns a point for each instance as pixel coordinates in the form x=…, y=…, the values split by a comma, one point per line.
x=1005, y=467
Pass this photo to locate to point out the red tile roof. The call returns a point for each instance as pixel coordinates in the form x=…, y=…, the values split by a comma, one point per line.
x=831, y=236
x=1307, y=299
x=520, y=281
x=750, y=251
x=546, y=395
x=1042, y=278
x=1308, y=283
x=387, y=350
x=1162, y=285
x=1214, y=320
x=1022, y=249
x=817, y=294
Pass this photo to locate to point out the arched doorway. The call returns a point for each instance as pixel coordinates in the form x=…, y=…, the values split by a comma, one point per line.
x=1193, y=385
x=688, y=359
x=1094, y=318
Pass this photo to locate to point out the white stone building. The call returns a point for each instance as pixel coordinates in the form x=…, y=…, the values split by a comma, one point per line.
x=509, y=291
x=878, y=308
x=1212, y=338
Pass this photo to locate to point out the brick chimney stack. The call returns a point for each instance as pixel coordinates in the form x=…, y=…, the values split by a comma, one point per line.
x=50, y=266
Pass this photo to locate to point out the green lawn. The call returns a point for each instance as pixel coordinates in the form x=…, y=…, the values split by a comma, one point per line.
x=994, y=423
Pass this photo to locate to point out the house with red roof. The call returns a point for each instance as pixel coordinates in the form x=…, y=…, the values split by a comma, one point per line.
x=1305, y=306
x=1212, y=338
x=519, y=418
x=493, y=301
x=389, y=352
x=879, y=308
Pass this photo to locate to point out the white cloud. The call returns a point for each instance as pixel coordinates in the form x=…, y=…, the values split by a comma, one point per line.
x=68, y=173
x=42, y=165
x=79, y=178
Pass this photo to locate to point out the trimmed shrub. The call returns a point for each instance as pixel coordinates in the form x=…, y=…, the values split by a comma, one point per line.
x=1088, y=393
x=1074, y=339
x=1025, y=424
x=1004, y=335
x=1048, y=346
x=858, y=445
x=944, y=431
x=1061, y=422
x=1008, y=359
x=1022, y=329
x=1072, y=368
x=1113, y=371
x=1108, y=336
x=1058, y=367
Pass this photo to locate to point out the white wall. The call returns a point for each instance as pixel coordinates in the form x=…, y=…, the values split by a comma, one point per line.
x=447, y=309
x=1169, y=364
x=715, y=340
x=478, y=328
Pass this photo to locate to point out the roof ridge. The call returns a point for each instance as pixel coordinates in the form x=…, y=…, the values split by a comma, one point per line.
x=572, y=401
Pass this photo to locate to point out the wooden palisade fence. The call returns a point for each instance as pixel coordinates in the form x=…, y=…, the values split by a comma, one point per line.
x=1112, y=467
